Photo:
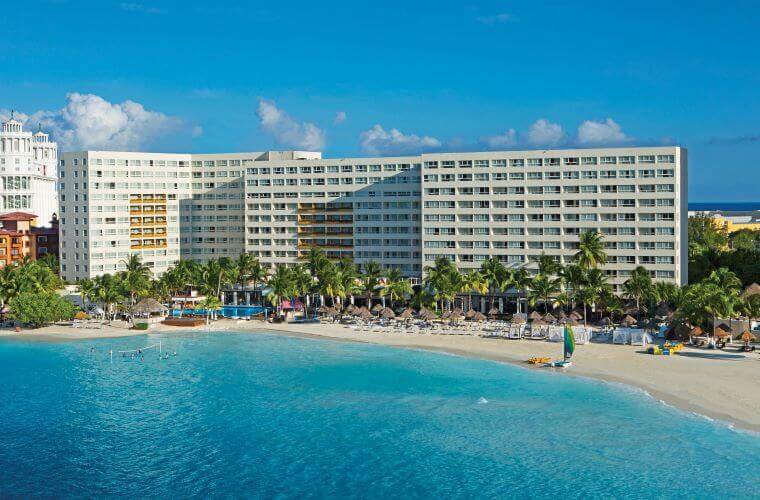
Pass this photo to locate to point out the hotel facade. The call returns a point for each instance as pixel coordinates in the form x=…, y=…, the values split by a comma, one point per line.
x=402, y=212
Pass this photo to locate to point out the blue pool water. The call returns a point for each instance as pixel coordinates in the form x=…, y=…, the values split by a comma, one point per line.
x=226, y=311
x=262, y=416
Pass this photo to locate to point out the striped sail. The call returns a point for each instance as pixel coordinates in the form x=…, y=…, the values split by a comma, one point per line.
x=569, y=342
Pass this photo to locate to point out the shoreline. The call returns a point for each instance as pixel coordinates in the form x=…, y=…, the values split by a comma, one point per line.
x=713, y=384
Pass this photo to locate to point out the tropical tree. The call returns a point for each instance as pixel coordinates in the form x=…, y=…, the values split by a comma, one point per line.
x=211, y=306
x=280, y=286
x=444, y=280
x=110, y=292
x=590, y=250
x=136, y=276
x=473, y=282
x=87, y=289
x=495, y=276
x=397, y=287
x=542, y=288
x=302, y=284
x=639, y=287
x=371, y=279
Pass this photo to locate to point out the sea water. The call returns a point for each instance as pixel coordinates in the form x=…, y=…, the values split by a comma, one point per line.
x=245, y=415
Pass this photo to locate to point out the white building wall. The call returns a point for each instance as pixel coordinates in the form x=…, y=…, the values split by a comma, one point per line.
x=402, y=212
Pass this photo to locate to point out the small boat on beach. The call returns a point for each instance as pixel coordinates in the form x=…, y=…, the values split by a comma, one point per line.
x=568, y=347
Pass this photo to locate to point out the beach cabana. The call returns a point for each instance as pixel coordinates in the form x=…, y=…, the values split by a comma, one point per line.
x=377, y=308
x=629, y=320
x=469, y=314
x=494, y=311
x=535, y=315
x=364, y=314
x=479, y=317
x=407, y=313
x=721, y=332
x=387, y=313
x=752, y=289
x=549, y=318
x=148, y=306
x=446, y=315
x=519, y=318
x=427, y=314
x=80, y=315
x=350, y=308
x=576, y=314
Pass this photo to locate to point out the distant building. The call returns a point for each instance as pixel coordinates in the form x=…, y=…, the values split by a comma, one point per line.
x=731, y=221
x=28, y=165
x=21, y=238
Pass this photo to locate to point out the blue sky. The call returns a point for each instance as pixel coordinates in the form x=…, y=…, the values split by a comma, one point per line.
x=358, y=78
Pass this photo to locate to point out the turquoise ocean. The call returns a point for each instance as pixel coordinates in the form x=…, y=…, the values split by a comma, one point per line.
x=242, y=415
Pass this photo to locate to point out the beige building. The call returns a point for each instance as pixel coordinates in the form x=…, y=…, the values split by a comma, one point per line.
x=400, y=211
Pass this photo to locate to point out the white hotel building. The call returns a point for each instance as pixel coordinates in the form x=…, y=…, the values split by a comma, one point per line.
x=27, y=172
x=400, y=211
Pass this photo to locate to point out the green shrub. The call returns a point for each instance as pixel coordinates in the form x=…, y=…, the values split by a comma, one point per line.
x=37, y=309
x=140, y=326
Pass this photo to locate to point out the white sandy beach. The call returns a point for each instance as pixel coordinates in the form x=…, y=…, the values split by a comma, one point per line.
x=717, y=384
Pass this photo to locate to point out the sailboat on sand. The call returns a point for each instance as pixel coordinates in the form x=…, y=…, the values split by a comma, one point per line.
x=569, y=348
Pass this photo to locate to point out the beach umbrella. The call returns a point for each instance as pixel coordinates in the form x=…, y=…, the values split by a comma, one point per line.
x=752, y=289
x=350, y=308
x=377, y=308
x=479, y=317
x=562, y=316
x=387, y=313
x=538, y=322
x=446, y=315
x=322, y=309
x=573, y=322
x=747, y=336
x=535, y=315
x=456, y=315
x=80, y=315
x=576, y=315
x=364, y=313
x=629, y=320
x=605, y=321
x=494, y=311
x=457, y=311
x=721, y=332
x=469, y=314
x=663, y=310
x=549, y=318
x=427, y=314
x=361, y=311
x=696, y=332
x=407, y=313
x=519, y=318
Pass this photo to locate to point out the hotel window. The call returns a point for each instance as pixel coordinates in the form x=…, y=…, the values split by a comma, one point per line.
x=608, y=160
x=535, y=176
x=518, y=163
x=571, y=189
x=588, y=160
x=627, y=174
x=516, y=176
x=608, y=174
x=428, y=164
x=646, y=159
x=465, y=163
x=535, y=162
x=552, y=175
x=481, y=177
x=570, y=161
x=552, y=162
x=589, y=174
x=666, y=159
x=627, y=160
x=481, y=163
x=666, y=172
x=498, y=163
x=571, y=175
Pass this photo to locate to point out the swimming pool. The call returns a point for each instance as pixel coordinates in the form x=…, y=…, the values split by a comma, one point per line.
x=226, y=311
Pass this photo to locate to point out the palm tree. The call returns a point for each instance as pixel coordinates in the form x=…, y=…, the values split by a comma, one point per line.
x=494, y=273
x=443, y=280
x=302, y=284
x=590, y=250
x=280, y=286
x=473, y=282
x=639, y=286
x=214, y=274
x=397, y=287
x=110, y=291
x=520, y=280
x=595, y=288
x=371, y=278
x=573, y=276
x=725, y=279
x=136, y=276
x=87, y=290
x=543, y=287
x=548, y=265
x=210, y=305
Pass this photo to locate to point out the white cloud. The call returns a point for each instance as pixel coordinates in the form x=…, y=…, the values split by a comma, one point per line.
x=603, y=133
x=506, y=140
x=379, y=141
x=197, y=131
x=340, y=117
x=287, y=131
x=545, y=133
x=141, y=8
x=90, y=122
x=500, y=18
